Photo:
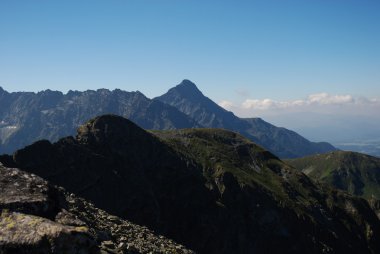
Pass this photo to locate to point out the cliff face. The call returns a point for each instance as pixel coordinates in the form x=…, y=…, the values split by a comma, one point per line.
x=211, y=190
x=37, y=217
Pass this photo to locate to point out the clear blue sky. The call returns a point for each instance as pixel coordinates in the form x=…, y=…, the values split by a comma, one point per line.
x=271, y=49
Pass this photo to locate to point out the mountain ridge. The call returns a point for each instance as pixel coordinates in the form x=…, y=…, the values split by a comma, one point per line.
x=26, y=117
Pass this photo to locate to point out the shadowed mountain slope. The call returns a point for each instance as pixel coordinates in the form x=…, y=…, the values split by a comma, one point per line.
x=212, y=190
x=285, y=143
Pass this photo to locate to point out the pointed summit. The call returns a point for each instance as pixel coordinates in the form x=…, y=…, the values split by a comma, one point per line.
x=186, y=89
x=188, y=99
x=187, y=84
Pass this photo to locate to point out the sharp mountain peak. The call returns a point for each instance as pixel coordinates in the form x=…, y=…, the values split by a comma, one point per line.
x=187, y=89
x=187, y=84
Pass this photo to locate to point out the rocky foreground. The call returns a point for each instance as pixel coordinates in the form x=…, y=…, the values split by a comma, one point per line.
x=37, y=217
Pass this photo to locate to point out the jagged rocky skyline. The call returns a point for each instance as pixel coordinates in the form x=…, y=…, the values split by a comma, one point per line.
x=27, y=117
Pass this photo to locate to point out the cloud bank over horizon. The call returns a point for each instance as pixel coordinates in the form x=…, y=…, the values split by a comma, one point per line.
x=323, y=103
x=319, y=117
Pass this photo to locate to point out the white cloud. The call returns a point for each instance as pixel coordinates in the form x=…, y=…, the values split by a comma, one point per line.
x=319, y=117
x=320, y=102
x=325, y=99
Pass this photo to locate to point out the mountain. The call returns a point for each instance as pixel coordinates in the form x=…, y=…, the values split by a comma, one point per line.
x=211, y=190
x=356, y=173
x=37, y=217
x=26, y=117
x=284, y=143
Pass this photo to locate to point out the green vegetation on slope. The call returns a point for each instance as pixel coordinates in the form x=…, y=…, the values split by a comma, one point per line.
x=356, y=173
x=219, y=151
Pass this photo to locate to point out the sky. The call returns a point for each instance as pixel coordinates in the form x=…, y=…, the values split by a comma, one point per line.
x=258, y=58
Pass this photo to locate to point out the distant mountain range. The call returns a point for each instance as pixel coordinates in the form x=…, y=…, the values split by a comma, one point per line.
x=212, y=190
x=26, y=117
